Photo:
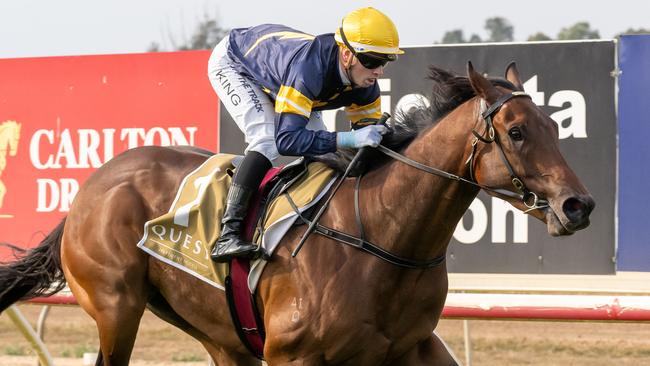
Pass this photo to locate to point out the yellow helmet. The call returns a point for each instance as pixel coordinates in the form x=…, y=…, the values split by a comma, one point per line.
x=369, y=30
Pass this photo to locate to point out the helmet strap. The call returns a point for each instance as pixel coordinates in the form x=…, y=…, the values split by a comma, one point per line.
x=347, y=65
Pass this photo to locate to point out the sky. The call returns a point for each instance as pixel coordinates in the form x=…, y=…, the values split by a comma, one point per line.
x=35, y=28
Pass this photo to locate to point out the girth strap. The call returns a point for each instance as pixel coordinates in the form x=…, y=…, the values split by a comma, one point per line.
x=366, y=245
x=377, y=251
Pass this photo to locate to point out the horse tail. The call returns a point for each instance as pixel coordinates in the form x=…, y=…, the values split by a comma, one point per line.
x=36, y=273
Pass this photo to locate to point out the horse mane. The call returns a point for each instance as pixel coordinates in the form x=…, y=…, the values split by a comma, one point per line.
x=448, y=92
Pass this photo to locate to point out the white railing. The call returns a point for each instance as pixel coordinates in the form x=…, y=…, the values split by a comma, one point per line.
x=621, y=297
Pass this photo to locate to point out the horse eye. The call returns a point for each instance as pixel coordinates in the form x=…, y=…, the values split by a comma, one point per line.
x=516, y=134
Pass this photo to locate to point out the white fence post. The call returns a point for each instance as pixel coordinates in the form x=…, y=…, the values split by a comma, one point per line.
x=468, y=343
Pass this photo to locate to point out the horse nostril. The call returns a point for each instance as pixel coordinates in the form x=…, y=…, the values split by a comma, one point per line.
x=578, y=209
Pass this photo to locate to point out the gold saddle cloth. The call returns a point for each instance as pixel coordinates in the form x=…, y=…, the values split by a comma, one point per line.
x=184, y=236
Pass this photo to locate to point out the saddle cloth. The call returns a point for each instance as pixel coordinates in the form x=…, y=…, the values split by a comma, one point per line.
x=184, y=236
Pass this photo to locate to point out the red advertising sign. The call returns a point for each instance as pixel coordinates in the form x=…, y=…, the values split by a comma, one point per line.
x=63, y=117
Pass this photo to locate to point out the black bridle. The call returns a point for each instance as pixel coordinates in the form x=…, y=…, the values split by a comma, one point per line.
x=530, y=199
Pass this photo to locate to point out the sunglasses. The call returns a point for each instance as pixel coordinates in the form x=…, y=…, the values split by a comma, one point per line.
x=369, y=60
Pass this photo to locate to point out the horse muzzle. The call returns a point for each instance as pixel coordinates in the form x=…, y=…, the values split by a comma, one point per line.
x=570, y=216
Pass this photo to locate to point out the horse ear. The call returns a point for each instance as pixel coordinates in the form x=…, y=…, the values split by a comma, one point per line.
x=512, y=75
x=482, y=86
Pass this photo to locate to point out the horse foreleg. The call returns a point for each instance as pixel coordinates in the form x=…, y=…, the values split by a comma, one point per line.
x=316, y=360
x=221, y=357
x=431, y=351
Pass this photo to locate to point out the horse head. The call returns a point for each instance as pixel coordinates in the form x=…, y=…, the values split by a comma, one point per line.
x=517, y=149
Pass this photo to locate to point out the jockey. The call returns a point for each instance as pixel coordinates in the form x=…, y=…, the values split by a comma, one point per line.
x=274, y=81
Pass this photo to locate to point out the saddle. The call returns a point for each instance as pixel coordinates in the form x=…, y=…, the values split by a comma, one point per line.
x=276, y=181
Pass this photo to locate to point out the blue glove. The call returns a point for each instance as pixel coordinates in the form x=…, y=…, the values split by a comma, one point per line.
x=366, y=136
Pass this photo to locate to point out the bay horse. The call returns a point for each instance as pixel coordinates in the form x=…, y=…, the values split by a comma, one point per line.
x=9, y=137
x=331, y=304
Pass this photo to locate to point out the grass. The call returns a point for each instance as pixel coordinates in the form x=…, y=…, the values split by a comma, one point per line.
x=188, y=357
x=78, y=351
x=578, y=348
x=16, y=350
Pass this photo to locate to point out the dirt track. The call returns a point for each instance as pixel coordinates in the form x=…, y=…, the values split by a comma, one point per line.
x=70, y=333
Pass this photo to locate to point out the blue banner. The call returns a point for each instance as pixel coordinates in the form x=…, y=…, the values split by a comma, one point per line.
x=634, y=154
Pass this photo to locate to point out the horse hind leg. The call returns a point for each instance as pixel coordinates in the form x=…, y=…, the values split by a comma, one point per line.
x=118, y=328
x=107, y=273
x=117, y=309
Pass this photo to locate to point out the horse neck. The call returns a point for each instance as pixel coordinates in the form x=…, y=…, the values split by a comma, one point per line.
x=412, y=212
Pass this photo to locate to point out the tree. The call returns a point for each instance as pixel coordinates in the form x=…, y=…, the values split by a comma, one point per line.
x=206, y=35
x=580, y=30
x=453, y=36
x=539, y=36
x=457, y=36
x=499, y=30
x=634, y=31
x=154, y=47
x=475, y=39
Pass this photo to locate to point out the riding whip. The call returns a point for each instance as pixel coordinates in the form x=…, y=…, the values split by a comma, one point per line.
x=381, y=122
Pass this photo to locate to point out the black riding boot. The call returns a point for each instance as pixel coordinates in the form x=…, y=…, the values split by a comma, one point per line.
x=247, y=179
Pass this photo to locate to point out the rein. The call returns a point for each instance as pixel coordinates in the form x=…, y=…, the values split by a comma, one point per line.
x=530, y=199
